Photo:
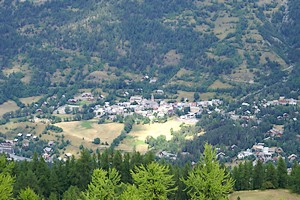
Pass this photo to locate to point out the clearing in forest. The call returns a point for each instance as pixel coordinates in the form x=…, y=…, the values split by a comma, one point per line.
x=29, y=100
x=84, y=132
x=8, y=107
x=136, y=138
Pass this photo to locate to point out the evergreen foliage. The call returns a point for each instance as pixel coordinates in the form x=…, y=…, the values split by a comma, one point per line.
x=104, y=185
x=153, y=181
x=27, y=194
x=208, y=181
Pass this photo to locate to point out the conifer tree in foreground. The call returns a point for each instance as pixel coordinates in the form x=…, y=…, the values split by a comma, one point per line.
x=6, y=180
x=282, y=173
x=295, y=178
x=104, y=185
x=208, y=181
x=27, y=194
x=153, y=181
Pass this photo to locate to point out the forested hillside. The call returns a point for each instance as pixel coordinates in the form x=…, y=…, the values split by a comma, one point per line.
x=90, y=77
x=183, y=45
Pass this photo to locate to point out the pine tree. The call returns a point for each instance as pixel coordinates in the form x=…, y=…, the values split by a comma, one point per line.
x=104, y=160
x=295, y=178
x=258, y=175
x=281, y=173
x=104, y=185
x=208, y=181
x=131, y=192
x=179, y=173
x=136, y=159
x=71, y=172
x=236, y=174
x=271, y=181
x=6, y=186
x=54, y=183
x=6, y=166
x=125, y=172
x=248, y=170
x=27, y=194
x=148, y=158
x=84, y=169
x=42, y=172
x=117, y=160
x=6, y=180
x=72, y=193
x=53, y=196
x=153, y=181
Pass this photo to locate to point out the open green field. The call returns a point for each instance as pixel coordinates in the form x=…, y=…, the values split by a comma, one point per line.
x=219, y=85
x=8, y=107
x=184, y=94
x=84, y=132
x=136, y=138
x=12, y=129
x=29, y=100
x=264, y=195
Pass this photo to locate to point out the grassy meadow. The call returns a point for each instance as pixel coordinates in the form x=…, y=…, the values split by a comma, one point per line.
x=84, y=132
x=8, y=107
x=279, y=194
x=136, y=138
x=29, y=100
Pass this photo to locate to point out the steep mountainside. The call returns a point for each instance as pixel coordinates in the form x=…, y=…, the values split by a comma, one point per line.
x=193, y=46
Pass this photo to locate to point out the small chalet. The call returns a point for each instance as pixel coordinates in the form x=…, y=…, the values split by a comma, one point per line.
x=137, y=99
x=47, y=149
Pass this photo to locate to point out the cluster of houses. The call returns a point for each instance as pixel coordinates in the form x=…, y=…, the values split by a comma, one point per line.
x=86, y=96
x=274, y=132
x=48, y=150
x=27, y=137
x=151, y=108
x=263, y=153
x=165, y=154
x=250, y=111
x=280, y=101
x=48, y=154
x=8, y=145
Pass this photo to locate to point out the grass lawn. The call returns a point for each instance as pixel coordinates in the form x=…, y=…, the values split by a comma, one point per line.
x=264, y=195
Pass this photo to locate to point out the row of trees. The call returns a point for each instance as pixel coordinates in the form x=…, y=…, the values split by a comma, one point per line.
x=266, y=176
x=112, y=176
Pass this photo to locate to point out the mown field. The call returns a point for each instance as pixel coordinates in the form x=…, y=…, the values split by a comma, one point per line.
x=136, y=138
x=84, y=132
x=29, y=100
x=8, y=107
x=264, y=195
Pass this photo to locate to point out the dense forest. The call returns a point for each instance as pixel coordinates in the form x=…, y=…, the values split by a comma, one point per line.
x=111, y=175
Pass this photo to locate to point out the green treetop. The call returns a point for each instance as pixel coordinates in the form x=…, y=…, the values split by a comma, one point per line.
x=208, y=181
